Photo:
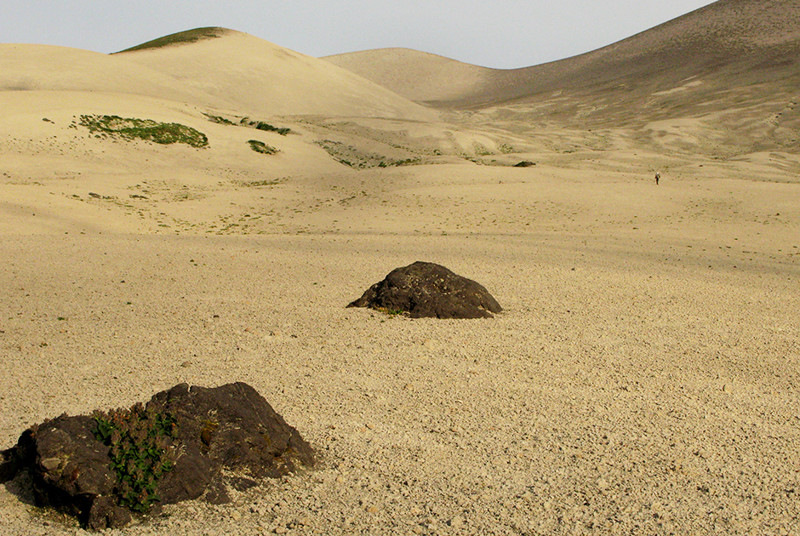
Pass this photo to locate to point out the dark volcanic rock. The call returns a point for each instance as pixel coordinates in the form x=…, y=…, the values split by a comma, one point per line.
x=10, y=464
x=425, y=289
x=230, y=427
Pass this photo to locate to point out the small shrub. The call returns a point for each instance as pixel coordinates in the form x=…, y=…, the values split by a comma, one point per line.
x=138, y=441
x=261, y=147
x=144, y=129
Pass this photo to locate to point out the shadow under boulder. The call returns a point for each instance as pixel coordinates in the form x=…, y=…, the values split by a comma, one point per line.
x=425, y=289
x=185, y=443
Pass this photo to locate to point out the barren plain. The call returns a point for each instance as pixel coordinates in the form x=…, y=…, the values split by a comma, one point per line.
x=644, y=377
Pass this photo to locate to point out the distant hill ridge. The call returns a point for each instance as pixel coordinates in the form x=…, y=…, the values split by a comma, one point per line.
x=759, y=34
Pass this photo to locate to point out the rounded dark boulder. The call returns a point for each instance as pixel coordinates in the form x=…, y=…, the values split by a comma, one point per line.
x=185, y=443
x=426, y=289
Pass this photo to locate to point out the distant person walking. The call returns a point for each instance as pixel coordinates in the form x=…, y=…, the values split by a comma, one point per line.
x=658, y=176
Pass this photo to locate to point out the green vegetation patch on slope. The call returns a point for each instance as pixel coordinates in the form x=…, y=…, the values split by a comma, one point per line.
x=218, y=119
x=143, y=129
x=358, y=159
x=261, y=147
x=261, y=125
x=189, y=36
x=247, y=122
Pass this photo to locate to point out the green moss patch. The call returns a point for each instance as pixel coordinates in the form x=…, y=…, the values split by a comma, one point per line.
x=143, y=129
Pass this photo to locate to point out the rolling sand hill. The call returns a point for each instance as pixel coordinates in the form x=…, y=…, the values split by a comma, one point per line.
x=720, y=81
x=726, y=44
x=642, y=378
x=419, y=76
x=27, y=68
x=247, y=73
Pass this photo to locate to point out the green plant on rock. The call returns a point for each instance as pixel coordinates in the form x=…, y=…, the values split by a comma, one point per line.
x=145, y=129
x=392, y=312
x=138, y=441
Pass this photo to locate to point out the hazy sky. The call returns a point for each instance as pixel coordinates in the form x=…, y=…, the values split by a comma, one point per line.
x=494, y=33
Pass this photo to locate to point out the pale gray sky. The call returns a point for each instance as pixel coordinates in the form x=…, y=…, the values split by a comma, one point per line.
x=494, y=33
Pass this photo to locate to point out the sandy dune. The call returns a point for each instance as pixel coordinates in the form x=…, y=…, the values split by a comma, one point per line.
x=420, y=76
x=641, y=380
x=732, y=42
x=50, y=68
x=248, y=73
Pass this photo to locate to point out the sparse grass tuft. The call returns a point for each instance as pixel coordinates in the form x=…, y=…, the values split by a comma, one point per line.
x=144, y=129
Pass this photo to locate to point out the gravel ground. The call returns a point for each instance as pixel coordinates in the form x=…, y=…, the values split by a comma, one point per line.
x=615, y=395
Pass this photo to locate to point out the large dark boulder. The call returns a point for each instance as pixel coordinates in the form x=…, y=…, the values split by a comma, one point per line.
x=101, y=467
x=425, y=289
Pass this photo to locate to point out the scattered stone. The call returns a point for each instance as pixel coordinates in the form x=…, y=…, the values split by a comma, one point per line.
x=425, y=289
x=200, y=438
x=525, y=163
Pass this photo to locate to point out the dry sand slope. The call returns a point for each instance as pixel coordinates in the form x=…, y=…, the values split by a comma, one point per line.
x=643, y=378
